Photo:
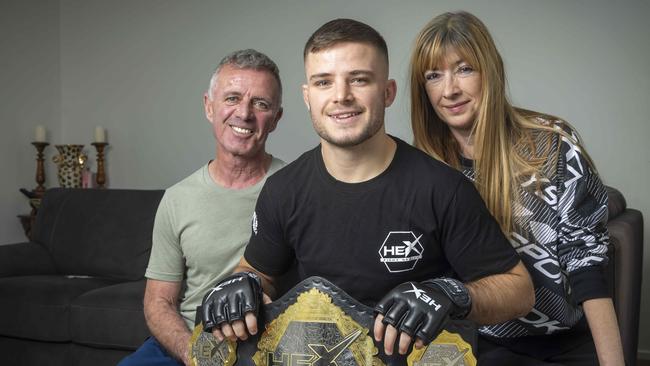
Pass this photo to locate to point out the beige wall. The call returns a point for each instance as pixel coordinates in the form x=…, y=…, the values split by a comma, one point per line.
x=139, y=68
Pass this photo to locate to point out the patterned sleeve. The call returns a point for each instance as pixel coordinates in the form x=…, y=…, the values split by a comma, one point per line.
x=583, y=238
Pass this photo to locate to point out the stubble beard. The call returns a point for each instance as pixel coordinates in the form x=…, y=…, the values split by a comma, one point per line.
x=368, y=131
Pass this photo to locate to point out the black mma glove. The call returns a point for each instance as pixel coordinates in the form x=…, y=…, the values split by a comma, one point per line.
x=231, y=299
x=421, y=309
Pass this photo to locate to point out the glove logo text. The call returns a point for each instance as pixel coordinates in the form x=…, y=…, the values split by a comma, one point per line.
x=226, y=283
x=421, y=295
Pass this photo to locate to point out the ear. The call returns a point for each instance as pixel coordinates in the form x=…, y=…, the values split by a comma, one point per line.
x=207, y=106
x=390, y=92
x=278, y=115
x=305, y=95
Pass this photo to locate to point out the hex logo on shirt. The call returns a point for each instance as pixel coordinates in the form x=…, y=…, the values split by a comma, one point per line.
x=401, y=251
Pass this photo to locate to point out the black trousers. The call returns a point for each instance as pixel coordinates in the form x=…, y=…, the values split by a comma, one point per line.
x=574, y=347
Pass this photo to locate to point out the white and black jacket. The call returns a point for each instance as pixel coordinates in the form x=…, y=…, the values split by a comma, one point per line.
x=561, y=236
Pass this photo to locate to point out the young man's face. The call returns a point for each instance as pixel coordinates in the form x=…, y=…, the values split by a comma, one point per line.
x=243, y=110
x=347, y=92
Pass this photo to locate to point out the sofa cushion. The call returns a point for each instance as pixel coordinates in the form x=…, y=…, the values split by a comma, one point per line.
x=38, y=307
x=25, y=259
x=16, y=352
x=91, y=356
x=110, y=317
x=98, y=232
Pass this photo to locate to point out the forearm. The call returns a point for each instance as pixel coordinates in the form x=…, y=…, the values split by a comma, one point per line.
x=604, y=330
x=267, y=281
x=501, y=297
x=169, y=328
x=164, y=320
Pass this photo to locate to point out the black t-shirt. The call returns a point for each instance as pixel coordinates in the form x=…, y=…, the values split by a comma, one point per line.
x=417, y=220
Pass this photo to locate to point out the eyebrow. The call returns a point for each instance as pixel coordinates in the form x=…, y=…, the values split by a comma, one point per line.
x=353, y=73
x=362, y=72
x=320, y=75
x=453, y=64
x=254, y=98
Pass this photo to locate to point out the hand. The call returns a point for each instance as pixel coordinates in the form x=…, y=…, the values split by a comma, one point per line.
x=230, y=309
x=419, y=310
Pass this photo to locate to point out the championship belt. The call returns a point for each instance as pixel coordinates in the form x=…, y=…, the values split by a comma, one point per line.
x=316, y=323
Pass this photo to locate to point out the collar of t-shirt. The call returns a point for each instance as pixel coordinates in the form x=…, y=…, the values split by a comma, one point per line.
x=466, y=163
x=370, y=184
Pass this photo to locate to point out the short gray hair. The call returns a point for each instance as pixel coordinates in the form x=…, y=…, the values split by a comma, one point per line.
x=247, y=59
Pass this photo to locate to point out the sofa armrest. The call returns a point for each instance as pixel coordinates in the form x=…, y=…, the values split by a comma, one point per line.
x=23, y=259
x=616, y=203
x=625, y=269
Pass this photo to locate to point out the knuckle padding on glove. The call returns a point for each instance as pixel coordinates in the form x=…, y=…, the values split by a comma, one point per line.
x=430, y=328
x=219, y=312
x=208, y=320
x=412, y=322
x=231, y=299
x=233, y=308
x=396, y=313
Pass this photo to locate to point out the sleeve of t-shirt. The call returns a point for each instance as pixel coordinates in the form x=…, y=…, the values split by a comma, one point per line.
x=267, y=250
x=166, y=262
x=472, y=239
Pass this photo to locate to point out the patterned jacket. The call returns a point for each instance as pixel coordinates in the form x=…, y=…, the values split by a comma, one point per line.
x=561, y=235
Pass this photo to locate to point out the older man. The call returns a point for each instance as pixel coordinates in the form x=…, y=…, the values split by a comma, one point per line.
x=203, y=222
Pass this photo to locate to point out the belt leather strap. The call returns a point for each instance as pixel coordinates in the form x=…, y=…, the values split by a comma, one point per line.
x=316, y=323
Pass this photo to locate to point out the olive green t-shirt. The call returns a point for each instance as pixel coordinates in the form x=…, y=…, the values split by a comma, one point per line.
x=200, y=233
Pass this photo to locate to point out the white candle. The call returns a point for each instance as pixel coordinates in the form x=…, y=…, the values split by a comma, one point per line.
x=40, y=134
x=100, y=134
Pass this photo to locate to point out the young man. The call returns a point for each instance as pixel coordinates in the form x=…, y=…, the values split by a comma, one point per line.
x=378, y=218
x=203, y=222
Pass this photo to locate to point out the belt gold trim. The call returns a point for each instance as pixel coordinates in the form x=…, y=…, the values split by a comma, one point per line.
x=316, y=323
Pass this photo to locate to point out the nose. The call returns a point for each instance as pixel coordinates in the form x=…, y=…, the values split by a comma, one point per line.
x=343, y=93
x=450, y=87
x=244, y=110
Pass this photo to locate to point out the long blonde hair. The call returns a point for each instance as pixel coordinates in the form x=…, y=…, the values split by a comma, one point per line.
x=505, y=150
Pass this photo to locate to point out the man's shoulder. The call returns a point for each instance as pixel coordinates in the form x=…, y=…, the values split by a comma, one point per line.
x=188, y=189
x=295, y=170
x=191, y=182
x=420, y=163
x=276, y=164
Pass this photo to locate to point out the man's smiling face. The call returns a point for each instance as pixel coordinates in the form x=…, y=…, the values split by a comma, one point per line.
x=243, y=109
x=347, y=91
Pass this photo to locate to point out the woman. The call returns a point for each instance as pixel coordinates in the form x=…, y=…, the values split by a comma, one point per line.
x=537, y=181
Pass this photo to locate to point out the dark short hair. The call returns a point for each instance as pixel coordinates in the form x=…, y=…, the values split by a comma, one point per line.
x=345, y=30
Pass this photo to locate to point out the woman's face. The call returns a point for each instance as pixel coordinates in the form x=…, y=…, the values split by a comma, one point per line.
x=454, y=91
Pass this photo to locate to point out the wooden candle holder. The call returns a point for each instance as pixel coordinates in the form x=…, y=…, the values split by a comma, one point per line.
x=100, y=178
x=40, y=168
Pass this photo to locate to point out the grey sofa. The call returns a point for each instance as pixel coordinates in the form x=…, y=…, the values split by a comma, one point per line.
x=73, y=296
x=625, y=269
